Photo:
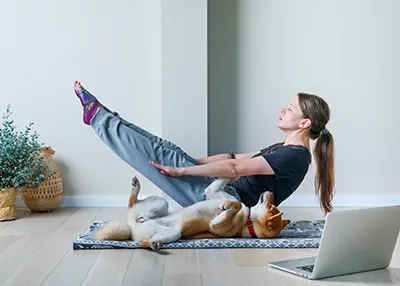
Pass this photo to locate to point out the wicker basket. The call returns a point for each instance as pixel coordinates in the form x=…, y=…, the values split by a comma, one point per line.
x=49, y=193
x=7, y=204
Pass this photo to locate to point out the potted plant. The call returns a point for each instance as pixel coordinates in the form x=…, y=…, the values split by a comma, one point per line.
x=21, y=165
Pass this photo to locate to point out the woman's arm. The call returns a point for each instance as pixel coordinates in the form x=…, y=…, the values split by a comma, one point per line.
x=211, y=159
x=220, y=157
x=229, y=168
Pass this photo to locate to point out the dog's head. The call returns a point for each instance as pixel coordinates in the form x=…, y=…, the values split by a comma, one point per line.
x=267, y=219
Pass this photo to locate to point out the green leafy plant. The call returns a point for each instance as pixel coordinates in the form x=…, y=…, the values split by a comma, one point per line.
x=21, y=164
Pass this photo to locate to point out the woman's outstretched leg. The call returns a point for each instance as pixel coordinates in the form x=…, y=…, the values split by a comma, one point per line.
x=138, y=148
x=79, y=89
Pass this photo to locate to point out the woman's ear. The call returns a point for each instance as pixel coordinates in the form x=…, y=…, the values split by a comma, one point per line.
x=305, y=123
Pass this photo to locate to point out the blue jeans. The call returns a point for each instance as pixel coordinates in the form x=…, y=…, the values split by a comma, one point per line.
x=137, y=147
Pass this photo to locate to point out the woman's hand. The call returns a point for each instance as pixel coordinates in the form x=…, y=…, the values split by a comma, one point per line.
x=170, y=171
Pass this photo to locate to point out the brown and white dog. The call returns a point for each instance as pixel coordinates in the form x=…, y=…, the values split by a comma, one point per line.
x=221, y=215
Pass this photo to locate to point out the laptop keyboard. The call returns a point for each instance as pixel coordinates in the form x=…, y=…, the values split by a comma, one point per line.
x=309, y=268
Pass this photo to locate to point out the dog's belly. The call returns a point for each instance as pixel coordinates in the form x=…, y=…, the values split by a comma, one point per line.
x=194, y=226
x=193, y=219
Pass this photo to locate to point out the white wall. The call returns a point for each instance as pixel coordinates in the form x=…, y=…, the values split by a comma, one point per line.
x=344, y=51
x=261, y=53
x=132, y=54
x=184, y=74
x=115, y=50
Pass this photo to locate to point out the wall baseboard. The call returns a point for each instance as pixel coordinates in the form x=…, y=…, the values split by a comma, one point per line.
x=356, y=200
x=351, y=200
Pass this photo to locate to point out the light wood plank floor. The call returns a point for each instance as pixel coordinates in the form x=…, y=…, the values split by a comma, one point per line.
x=36, y=249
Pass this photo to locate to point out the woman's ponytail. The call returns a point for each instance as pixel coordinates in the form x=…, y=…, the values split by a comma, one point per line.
x=325, y=177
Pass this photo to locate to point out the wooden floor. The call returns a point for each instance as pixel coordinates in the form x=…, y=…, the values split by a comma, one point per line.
x=36, y=249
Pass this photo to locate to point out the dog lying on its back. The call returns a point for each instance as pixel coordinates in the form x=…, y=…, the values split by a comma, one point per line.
x=221, y=215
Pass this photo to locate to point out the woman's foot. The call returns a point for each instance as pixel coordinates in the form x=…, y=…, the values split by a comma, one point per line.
x=89, y=102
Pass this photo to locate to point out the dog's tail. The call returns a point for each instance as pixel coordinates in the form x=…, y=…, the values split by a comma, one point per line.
x=114, y=230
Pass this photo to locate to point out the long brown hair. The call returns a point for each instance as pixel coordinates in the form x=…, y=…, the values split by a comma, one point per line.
x=317, y=110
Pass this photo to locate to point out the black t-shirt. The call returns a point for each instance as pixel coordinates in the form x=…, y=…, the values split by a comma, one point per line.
x=290, y=164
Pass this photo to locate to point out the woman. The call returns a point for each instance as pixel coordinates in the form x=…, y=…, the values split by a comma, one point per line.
x=279, y=168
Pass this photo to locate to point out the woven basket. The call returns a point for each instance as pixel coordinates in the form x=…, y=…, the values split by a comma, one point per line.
x=49, y=193
x=7, y=204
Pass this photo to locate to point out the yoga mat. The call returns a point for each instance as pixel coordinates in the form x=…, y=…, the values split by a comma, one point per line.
x=298, y=234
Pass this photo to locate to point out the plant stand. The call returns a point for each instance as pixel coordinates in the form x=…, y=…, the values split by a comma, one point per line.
x=48, y=195
x=42, y=200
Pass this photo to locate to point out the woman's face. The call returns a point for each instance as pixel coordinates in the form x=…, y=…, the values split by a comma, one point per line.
x=291, y=117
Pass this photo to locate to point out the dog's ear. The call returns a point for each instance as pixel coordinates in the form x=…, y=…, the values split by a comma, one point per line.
x=285, y=222
x=270, y=199
x=274, y=221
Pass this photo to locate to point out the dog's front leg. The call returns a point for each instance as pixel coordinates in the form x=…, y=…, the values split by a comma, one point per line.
x=223, y=223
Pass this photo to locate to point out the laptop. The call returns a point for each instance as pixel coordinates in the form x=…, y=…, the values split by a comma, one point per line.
x=352, y=241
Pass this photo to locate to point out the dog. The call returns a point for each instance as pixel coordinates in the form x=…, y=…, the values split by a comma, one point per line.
x=220, y=215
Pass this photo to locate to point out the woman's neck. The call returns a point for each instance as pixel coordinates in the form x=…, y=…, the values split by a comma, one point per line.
x=295, y=138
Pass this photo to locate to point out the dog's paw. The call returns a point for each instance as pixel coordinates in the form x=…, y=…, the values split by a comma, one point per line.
x=226, y=205
x=135, y=182
x=155, y=245
x=230, y=205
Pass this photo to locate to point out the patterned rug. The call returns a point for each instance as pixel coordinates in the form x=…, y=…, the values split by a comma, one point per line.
x=298, y=234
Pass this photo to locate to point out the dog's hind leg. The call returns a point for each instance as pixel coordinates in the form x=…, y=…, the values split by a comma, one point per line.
x=216, y=189
x=135, y=192
x=164, y=235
